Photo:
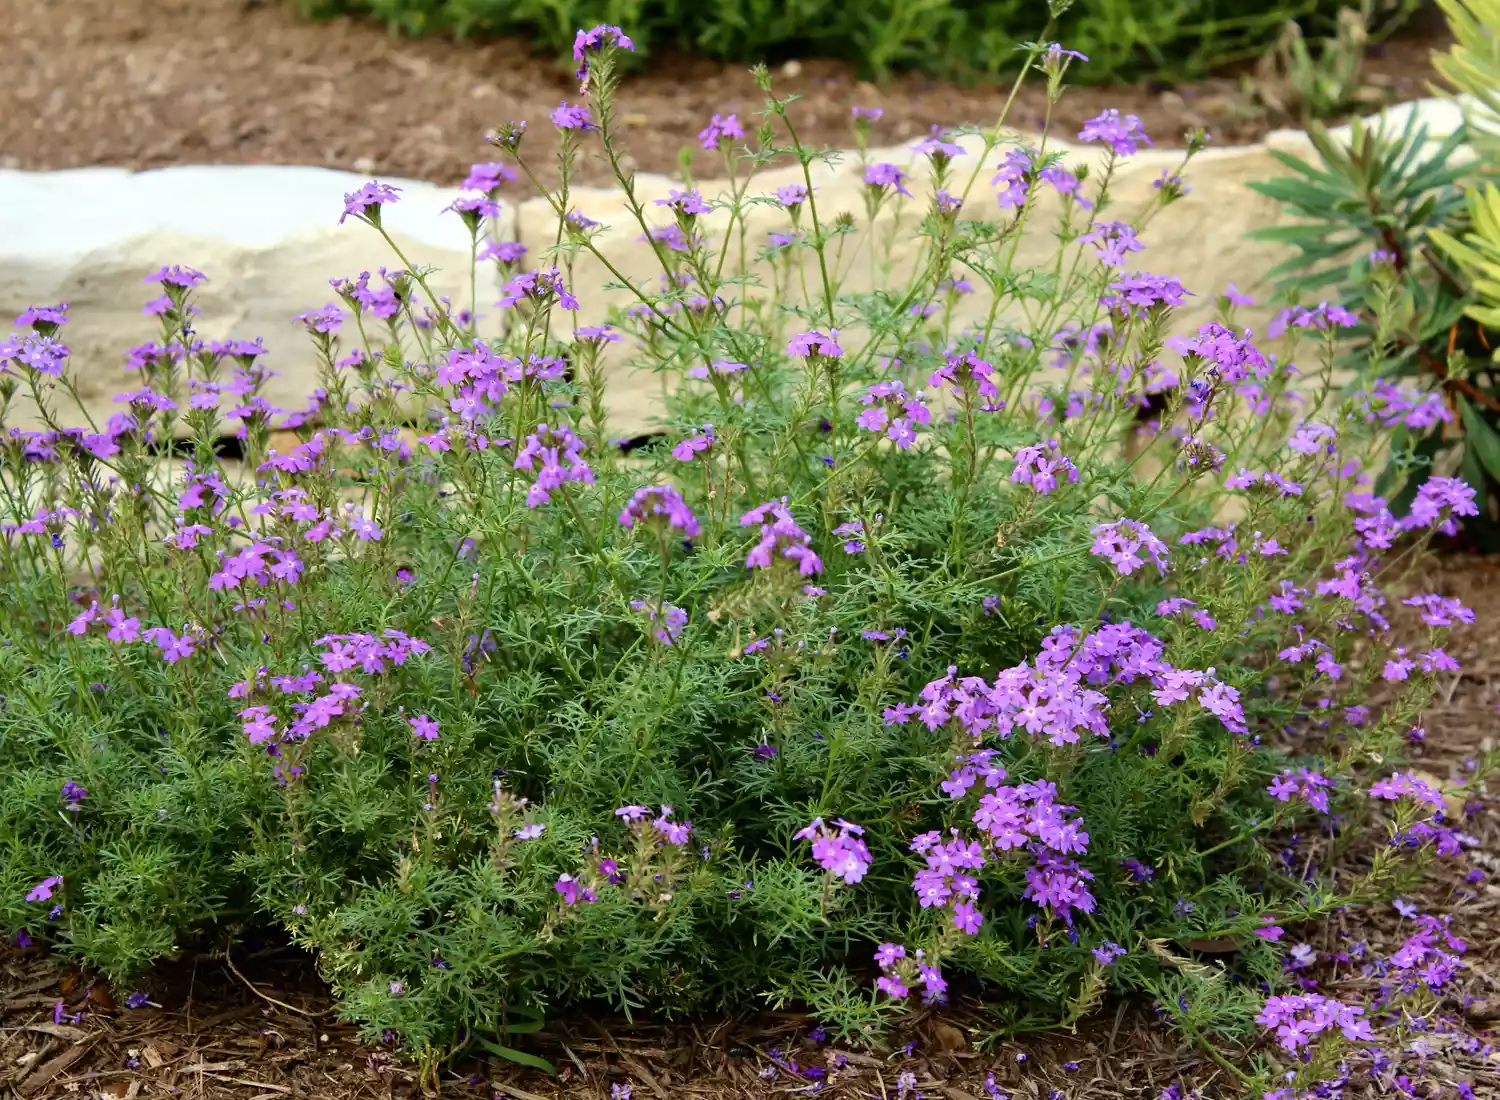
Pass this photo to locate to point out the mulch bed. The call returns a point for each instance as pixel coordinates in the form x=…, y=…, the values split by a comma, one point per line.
x=148, y=83
x=264, y=1029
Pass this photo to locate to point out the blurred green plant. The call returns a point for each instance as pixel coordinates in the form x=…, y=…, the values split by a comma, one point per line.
x=1384, y=221
x=1366, y=212
x=1164, y=40
x=1471, y=67
x=1292, y=81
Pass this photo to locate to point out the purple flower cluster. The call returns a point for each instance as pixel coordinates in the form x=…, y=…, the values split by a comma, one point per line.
x=1137, y=295
x=839, y=849
x=1112, y=242
x=1299, y=1018
x=1124, y=135
x=660, y=507
x=890, y=409
x=966, y=374
x=1043, y=466
x=364, y=203
x=880, y=177
x=695, y=445
x=1127, y=543
x=538, y=287
x=556, y=454
x=780, y=537
x=666, y=620
x=721, y=129
x=898, y=973
x=1309, y=786
x=813, y=345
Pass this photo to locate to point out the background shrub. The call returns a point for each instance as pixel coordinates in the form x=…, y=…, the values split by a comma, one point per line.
x=1124, y=39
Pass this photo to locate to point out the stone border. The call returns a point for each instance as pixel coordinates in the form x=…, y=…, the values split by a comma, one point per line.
x=269, y=239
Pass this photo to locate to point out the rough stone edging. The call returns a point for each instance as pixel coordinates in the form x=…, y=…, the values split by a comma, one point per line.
x=269, y=238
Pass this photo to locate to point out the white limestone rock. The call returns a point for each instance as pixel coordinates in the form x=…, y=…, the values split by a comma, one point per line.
x=267, y=237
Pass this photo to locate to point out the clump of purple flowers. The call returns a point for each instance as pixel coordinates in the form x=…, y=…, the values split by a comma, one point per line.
x=556, y=454
x=1127, y=544
x=660, y=507
x=839, y=849
x=1300, y=1018
x=780, y=537
x=1043, y=466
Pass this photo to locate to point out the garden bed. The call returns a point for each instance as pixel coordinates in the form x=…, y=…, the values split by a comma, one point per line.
x=148, y=83
x=205, y=1033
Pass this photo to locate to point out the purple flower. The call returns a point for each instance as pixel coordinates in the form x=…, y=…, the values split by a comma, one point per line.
x=1124, y=542
x=939, y=149
x=506, y=252
x=367, y=201
x=840, y=850
x=1013, y=177
x=1311, y=787
x=967, y=374
x=1055, y=56
x=474, y=207
x=684, y=204
x=173, y=648
x=1107, y=953
x=179, y=276
x=1140, y=293
x=530, y=832
x=1124, y=135
x=809, y=344
x=1040, y=465
x=1324, y=316
x=572, y=117
x=574, y=892
x=539, y=287
x=42, y=354
x=667, y=621
x=488, y=177
x=780, y=537
x=695, y=445
x=871, y=114
x=720, y=129
x=967, y=919
x=1298, y=1018
x=324, y=321
x=592, y=41
x=792, y=195
x=1403, y=784
x=73, y=794
x=45, y=318
x=555, y=453
x=660, y=506
x=1112, y=241
x=42, y=891
x=883, y=175
x=423, y=727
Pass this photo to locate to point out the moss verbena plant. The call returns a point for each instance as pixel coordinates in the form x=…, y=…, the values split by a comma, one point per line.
x=899, y=666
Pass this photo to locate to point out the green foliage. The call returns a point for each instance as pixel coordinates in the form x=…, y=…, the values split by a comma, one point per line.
x=1369, y=214
x=1124, y=39
x=1471, y=66
x=496, y=716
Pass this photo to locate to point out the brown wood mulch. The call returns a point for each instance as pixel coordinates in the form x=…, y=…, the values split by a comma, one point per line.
x=148, y=83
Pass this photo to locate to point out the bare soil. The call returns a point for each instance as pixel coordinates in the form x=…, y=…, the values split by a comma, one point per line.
x=148, y=83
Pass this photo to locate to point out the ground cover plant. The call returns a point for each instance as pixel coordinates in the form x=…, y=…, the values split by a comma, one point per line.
x=1125, y=39
x=966, y=629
